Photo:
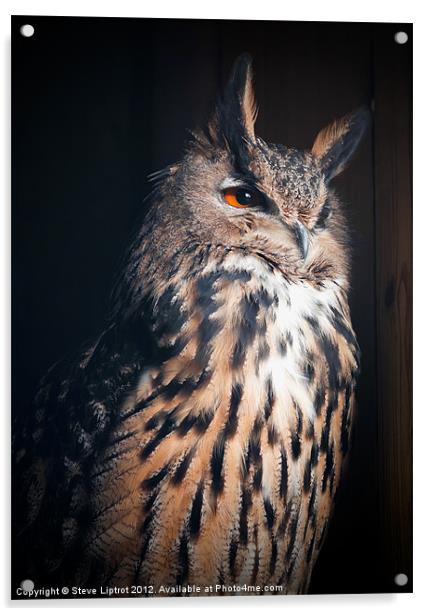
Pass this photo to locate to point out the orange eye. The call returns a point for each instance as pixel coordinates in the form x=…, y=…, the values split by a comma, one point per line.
x=241, y=197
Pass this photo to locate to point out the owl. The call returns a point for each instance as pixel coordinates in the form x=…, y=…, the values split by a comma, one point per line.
x=199, y=441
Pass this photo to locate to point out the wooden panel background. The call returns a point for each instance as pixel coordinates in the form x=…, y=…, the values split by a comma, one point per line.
x=393, y=229
x=100, y=103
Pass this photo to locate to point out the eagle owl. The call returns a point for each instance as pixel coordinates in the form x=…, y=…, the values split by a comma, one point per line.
x=200, y=439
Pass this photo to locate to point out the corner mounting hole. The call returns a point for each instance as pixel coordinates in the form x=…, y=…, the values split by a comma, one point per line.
x=401, y=37
x=27, y=30
x=27, y=585
x=401, y=579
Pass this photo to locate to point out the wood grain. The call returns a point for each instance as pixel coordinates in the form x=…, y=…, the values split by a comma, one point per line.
x=393, y=232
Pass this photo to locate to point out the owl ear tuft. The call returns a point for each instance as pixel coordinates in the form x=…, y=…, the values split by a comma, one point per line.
x=335, y=145
x=241, y=85
x=232, y=123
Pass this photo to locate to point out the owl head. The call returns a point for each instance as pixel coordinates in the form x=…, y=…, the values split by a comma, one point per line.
x=234, y=190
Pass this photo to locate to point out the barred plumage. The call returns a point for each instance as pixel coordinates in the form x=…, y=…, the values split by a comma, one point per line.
x=200, y=440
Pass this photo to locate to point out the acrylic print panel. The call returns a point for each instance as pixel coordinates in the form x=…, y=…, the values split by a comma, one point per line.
x=211, y=363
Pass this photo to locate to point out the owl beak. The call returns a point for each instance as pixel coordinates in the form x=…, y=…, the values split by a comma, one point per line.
x=302, y=238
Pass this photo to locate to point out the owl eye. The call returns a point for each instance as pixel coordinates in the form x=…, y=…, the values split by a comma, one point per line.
x=241, y=197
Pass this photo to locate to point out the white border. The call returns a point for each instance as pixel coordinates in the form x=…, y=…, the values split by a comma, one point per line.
x=312, y=10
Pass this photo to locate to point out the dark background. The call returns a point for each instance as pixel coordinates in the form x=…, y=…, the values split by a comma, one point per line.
x=100, y=103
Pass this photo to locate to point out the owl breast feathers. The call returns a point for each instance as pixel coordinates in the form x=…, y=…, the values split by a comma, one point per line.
x=200, y=439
